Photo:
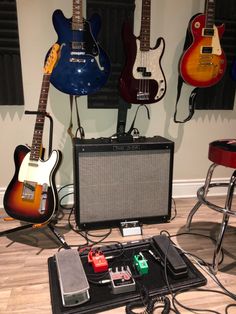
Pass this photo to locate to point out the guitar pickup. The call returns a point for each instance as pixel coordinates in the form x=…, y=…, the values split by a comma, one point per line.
x=147, y=74
x=144, y=71
x=206, y=50
x=44, y=195
x=141, y=69
x=79, y=45
x=208, y=32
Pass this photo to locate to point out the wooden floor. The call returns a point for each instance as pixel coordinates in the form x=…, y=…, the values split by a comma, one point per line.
x=24, y=283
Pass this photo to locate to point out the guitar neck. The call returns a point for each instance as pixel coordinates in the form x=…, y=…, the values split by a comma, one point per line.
x=210, y=13
x=77, y=16
x=40, y=119
x=145, y=25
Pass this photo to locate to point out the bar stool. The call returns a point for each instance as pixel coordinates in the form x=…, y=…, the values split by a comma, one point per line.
x=221, y=153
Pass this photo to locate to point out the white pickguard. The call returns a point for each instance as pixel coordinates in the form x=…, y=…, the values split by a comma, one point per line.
x=151, y=60
x=40, y=172
x=215, y=42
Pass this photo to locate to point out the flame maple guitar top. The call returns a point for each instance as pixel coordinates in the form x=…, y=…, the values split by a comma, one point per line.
x=203, y=64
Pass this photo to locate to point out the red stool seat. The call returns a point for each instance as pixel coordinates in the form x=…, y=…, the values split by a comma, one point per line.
x=223, y=152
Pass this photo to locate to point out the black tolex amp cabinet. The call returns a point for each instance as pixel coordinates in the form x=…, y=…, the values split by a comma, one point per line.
x=116, y=182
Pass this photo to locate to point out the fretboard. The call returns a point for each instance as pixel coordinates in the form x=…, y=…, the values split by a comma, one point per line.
x=39, y=124
x=145, y=25
x=210, y=13
x=77, y=16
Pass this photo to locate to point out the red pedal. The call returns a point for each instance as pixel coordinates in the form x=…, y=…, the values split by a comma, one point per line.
x=98, y=261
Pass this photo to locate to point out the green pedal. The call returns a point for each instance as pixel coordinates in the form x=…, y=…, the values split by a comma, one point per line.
x=140, y=263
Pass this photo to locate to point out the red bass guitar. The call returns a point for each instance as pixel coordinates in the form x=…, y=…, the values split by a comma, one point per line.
x=142, y=80
x=203, y=64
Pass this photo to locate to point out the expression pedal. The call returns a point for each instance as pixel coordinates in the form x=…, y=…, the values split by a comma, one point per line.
x=73, y=282
x=122, y=280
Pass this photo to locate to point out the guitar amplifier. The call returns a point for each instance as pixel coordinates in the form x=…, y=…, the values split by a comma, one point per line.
x=116, y=182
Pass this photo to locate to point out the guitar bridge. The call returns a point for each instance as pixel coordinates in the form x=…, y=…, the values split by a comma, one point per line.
x=28, y=190
x=142, y=96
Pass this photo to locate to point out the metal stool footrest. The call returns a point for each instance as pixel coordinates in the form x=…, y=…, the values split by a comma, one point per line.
x=201, y=195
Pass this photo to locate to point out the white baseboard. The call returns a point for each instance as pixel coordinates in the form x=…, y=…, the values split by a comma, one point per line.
x=181, y=189
x=188, y=188
x=2, y=191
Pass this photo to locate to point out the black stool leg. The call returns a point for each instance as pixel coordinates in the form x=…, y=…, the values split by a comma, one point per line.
x=228, y=204
x=199, y=203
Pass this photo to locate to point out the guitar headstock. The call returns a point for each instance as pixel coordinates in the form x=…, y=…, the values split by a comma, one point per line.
x=51, y=59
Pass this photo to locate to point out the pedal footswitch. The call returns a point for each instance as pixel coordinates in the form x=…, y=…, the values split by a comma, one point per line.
x=122, y=280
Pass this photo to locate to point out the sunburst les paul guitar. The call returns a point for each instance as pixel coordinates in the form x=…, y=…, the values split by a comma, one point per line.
x=203, y=64
x=31, y=195
x=142, y=80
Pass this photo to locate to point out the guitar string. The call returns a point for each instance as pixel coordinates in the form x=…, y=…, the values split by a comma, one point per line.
x=140, y=80
x=144, y=83
x=146, y=54
x=145, y=80
x=148, y=67
x=147, y=33
x=142, y=65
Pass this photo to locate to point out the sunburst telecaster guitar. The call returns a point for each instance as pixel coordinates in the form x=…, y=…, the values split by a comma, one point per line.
x=31, y=195
x=203, y=64
x=142, y=80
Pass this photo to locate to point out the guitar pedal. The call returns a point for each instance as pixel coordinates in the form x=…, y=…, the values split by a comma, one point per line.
x=98, y=261
x=121, y=280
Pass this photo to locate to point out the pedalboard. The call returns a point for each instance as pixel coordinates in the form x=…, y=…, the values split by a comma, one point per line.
x=122, y=280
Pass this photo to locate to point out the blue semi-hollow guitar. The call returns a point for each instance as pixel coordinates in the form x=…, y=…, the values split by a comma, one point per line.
x=83, y=66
